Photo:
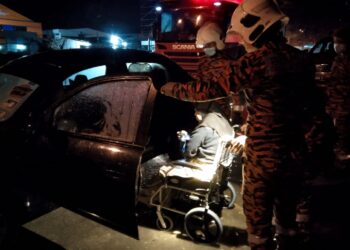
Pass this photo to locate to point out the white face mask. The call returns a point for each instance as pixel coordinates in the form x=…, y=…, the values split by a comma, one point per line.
x=211, y=51
x=339, y=48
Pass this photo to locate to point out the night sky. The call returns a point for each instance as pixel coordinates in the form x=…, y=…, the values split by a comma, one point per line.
x=317, y=18
x=122, y=16
x=118, y=15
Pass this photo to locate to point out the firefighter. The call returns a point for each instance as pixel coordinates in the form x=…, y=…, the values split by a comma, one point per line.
x=210, y=37
x=338, y=92
x=283, y=125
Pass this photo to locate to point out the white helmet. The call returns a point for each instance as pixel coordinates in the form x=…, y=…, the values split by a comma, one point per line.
x=210, y=32
x=253, y=17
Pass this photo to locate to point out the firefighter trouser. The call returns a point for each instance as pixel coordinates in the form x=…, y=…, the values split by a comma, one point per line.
x=342, y=126
x=272, y=187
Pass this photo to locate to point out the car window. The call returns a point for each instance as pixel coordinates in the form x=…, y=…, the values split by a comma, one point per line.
x=317, y=48
x=324, y=45
x=86, y=73
x=329, y=47
x=111, y=110
x=156, y=71
x=14, y=91
x=139, y=67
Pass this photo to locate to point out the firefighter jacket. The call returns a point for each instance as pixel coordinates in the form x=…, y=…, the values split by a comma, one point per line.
x=338, y=105
x=203, y=74
x=278, y=83
x=338, y=89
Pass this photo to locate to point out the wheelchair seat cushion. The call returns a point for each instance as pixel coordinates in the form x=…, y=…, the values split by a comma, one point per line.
x=184, y=171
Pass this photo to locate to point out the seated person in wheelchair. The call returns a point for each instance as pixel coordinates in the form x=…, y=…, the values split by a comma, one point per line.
x=201, y=145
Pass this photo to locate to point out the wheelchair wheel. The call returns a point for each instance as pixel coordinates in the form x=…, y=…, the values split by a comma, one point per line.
x=229, y=196
x=203, y=225
x=169, y=224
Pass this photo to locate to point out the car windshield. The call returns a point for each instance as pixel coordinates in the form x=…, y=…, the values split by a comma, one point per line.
x=182, y=25
x=14, y=91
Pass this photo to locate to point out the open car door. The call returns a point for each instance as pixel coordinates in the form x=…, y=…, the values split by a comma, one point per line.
x=100, y=130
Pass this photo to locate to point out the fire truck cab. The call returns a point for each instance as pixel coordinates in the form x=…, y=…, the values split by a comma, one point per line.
x=177, y=25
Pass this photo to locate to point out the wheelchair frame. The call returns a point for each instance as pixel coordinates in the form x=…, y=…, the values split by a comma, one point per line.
x=207, y=194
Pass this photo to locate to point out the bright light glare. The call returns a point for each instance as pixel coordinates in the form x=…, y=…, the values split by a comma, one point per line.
x=207, y=2
x=21, y=47
x=114, y=40
x=83, y=43
x=198, y=19
x=158, y=8
x=111, y=149
x=217, y=4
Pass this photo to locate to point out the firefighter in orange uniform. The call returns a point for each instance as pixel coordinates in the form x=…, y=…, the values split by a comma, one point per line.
x=210, y=37
x=284, y=122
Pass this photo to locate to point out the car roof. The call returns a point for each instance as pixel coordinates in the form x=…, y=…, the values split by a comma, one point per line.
x=59, y=64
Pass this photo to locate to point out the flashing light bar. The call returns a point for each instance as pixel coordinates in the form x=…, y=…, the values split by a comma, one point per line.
x=235, y=1
x=215, y=2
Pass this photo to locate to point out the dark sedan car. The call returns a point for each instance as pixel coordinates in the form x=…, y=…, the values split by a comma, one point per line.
x=75, y=125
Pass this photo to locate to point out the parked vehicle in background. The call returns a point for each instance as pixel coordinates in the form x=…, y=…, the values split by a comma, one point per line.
x=177, y=25
x=75, y=125
x=323, y=54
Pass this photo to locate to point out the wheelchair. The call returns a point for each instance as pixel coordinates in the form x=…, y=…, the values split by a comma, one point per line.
x=199, y=200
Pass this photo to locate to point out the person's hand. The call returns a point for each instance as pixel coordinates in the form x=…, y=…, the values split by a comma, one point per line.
x=183, y=135
x=236, y=146
x=167, y=89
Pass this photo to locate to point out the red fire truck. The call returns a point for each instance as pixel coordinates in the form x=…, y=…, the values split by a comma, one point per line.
x=177, y=25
